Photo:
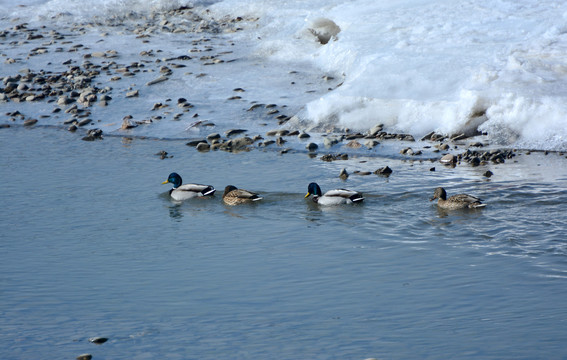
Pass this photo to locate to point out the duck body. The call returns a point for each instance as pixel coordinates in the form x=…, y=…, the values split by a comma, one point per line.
x=182, y=191
x=234, y=196
x=333, y=197
x=459, y=201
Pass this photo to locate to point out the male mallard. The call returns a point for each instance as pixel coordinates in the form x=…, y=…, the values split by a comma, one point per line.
x=333, y=197
x=234, y=196
x=460, y=201
x=187, y=191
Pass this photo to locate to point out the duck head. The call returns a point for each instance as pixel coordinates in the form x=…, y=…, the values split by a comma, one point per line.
x=175, y=179
x=313, y=189
x=439, y=193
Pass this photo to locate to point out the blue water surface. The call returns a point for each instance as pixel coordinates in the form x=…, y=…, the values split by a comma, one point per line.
x=91, y=245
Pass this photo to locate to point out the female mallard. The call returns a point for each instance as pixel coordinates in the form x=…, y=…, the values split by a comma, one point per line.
x=234, y=196
x=187, y=191
x=460, y=201
x=333, y=197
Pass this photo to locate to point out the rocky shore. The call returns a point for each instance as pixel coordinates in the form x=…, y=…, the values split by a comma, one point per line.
x=83, y=89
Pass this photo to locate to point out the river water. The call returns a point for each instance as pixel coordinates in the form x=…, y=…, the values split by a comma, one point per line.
x=92, y=246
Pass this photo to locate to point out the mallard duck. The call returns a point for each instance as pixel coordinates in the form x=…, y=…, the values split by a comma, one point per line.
x=333, y=197
x=234, y=196
x=187, y=191
x=459, y=201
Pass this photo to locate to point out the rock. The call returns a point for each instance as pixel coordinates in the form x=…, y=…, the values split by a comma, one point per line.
x=213, y=136
x=240, y=143
x=331, y=141
x=30, y=122
x=157, y=81
x=475, y=161
x=98, y=340
x=203, y=147
x=432, y=169
x=371, y=143
x=84, y=122
x=93, y=134
x=376, y=129
x=488, y=173
x=343, y=174
x=84, y=357
x=428, y=136
x=312, y=147
x=353, y=144
x=362, y=173
x=163, y=154
x=448, y=159
x=303, y=136
x=385, y=171
x=127, y=124
x=194, y=143
x=331, y=157
x=133, y=93
x=280, y=141
x=231, y=132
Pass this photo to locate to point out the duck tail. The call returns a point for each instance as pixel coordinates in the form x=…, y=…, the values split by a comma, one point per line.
x=208, y=191
x=356, y=198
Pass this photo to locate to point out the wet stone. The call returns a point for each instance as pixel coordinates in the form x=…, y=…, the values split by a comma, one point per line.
x=231, y=132
x=343, y=174
x=84, y=357
x=194, y=143
x=98, y=340
x=385, y=171
x=203, y=147
x=312, y=147
x=448, y=159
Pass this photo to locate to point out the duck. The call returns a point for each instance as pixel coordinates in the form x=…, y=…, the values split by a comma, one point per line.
x=234, y=196
x=187, y=191
x=459, y=201
x=333, y=197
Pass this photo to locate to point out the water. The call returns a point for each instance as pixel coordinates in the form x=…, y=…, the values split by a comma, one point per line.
x=92, y=246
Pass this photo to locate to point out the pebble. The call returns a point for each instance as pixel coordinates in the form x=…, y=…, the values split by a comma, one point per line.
x=343, y=174
x=488, y=173
x=203, y=146
x=133, y=93
x=333, y=157
x=231, y=132
x=194, y=143
x=448, y=159
x=157, y=81
x=312, y=147
x=84, y=357
x=353, y=144
x=385, y=171
x=98, y=340
x=93, y=134
x=30, y=122
x=213, y=136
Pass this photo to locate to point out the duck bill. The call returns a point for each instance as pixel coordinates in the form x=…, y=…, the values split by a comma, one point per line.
x=165, y=182
x=307, y=194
